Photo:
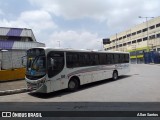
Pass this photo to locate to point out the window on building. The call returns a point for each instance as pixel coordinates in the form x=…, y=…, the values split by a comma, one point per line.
x=128, y=35
x=133, y=33
x=133, y=41
x=152, y=27
x=158, y=25
x=120, y=38
x=138, y=32
x=124, y=44
x=120, y=45
x=117, y=46
x=129, y=43
x=144, y=30
x=158, y=35
x=158, y=49
x=145, y=38
x=3, y=38
x=124, y=37
x=152, y=37
x=139, y=40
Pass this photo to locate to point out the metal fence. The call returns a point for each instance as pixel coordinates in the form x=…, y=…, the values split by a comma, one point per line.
x=152, y=57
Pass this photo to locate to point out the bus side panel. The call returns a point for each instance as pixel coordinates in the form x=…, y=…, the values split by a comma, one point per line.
x=125, y=68
x=87, y=78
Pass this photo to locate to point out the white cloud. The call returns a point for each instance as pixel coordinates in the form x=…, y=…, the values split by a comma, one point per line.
x=38, y=21
x=75, y=40
x=97, y=9
x=117, y=14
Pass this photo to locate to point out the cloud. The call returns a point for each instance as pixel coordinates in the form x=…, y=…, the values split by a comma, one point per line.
x=75, y=40
x=116, y=14
x=70, y=21
x=37, y=20
x=97, y=9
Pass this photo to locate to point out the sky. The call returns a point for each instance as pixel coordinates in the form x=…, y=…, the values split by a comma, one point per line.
x=77, y=24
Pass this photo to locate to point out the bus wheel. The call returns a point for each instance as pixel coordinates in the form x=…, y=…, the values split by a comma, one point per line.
x=73, y=84
x=115, y=75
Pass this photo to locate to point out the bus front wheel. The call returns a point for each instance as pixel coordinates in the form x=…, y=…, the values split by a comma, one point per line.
x=115, y=75
x=73, y=84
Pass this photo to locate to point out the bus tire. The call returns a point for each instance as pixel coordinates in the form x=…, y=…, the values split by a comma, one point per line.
x=115, y=75
x=73, y=84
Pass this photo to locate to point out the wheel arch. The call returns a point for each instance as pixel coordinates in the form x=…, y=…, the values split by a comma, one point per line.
x=75, y=77
x=115, y=71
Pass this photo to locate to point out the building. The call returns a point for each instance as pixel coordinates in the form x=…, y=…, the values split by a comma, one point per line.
x=13, y=45
x=142, y=41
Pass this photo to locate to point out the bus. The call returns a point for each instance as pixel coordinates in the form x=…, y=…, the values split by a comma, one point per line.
x=49, y=70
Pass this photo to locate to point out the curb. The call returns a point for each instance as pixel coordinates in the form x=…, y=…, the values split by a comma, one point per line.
x=9, y=92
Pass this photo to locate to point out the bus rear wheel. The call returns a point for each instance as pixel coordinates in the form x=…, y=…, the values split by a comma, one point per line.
x=73, y=84
x=115, y=75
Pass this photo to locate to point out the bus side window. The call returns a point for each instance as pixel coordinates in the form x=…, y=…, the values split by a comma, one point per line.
x=126, y=59
x=96, y=56
x=57, y=67
x=102, y=59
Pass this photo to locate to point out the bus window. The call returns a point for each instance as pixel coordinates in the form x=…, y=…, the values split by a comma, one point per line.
x=57, y=66
x=116, y=58
x=96, y=59
x=126, y=59
x=103, y=59
x=72, y=60
x=110, y=58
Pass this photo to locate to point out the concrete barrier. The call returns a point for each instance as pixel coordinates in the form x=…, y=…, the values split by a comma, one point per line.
x=13, y=74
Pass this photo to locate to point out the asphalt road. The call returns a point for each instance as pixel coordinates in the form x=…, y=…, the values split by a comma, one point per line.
x=141, y=84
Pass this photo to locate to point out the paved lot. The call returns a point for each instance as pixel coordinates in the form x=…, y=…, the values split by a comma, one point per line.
x=11, y=85
x=142, y=84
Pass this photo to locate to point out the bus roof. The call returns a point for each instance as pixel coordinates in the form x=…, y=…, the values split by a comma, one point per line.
x=78, y=50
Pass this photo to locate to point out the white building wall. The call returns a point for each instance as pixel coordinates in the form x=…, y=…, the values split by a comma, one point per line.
x=4, y=31
x=26, y=45
x=12, y=59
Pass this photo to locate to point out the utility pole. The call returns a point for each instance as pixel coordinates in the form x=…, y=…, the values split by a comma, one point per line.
x=116, y=41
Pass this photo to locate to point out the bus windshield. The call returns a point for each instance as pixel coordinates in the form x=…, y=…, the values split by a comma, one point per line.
x=36, y=65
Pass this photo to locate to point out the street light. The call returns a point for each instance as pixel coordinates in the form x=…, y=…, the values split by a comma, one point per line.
x=147, y=26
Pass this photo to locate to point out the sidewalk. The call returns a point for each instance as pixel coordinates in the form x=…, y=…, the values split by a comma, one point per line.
x=12, y=87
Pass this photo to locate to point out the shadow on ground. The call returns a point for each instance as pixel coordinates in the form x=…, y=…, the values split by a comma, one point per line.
x=83, y=87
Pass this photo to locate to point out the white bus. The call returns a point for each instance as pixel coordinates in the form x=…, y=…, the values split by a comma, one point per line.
x=49, y=70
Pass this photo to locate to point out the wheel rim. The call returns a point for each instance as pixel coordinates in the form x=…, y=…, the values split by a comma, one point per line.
x=115, y=75
x=72, y=84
